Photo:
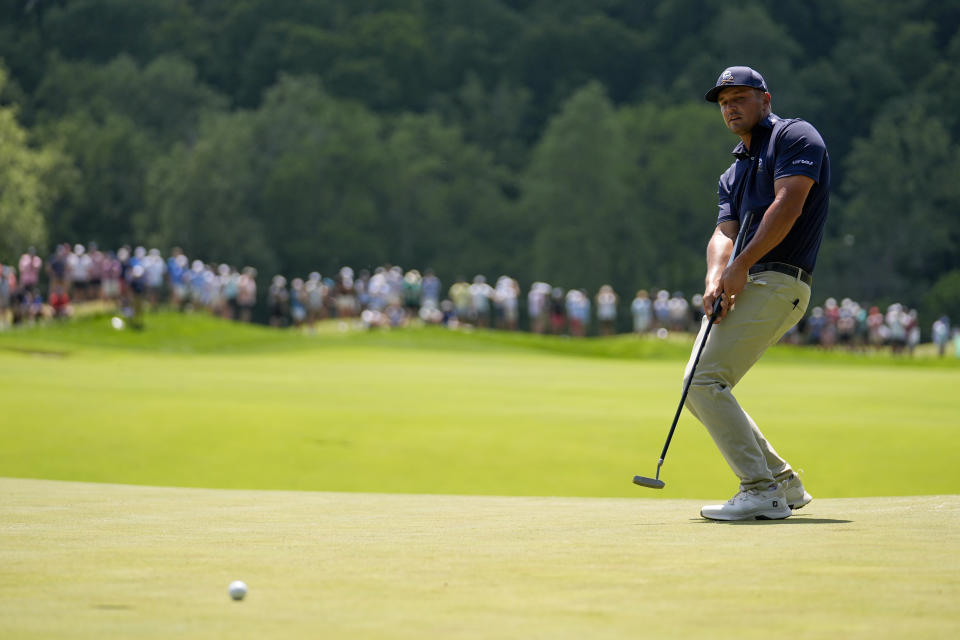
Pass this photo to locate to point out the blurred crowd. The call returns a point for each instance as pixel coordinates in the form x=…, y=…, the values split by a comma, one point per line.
x=136, y=279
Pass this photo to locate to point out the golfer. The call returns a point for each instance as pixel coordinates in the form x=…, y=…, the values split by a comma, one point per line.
x=781, y=173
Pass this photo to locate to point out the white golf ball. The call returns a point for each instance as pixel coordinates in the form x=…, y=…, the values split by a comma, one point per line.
x=238, y=589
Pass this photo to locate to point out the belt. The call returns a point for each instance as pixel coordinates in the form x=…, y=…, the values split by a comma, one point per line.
x=780, y=267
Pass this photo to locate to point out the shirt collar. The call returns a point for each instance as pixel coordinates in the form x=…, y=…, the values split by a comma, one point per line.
x=762, y=128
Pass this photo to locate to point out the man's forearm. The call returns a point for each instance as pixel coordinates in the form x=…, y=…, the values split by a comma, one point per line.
x=777, y=220
x=719, y=249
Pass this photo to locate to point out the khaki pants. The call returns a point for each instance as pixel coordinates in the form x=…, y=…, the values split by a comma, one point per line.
x=769, y=305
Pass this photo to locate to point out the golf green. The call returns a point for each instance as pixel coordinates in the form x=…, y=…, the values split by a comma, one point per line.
x=96, y=560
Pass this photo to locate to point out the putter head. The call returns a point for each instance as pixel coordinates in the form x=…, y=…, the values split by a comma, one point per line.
x=650, y=483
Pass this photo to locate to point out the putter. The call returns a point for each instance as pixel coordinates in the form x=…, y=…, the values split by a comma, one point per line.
x=656, y=482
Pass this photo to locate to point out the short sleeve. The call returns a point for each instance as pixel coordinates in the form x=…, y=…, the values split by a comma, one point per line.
x=800, y=151
x=725, y=211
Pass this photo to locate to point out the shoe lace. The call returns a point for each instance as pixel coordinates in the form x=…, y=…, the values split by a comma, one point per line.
x=742, y=495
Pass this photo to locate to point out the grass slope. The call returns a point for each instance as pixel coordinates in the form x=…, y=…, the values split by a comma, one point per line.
x=202, y=403
x=176, y=333
x=95, y=561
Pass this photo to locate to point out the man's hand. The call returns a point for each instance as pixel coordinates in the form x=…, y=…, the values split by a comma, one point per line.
x=732, y=282
x=718, y=253
x=710, y=296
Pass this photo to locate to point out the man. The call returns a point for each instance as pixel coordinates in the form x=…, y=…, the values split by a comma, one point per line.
x=782, y=174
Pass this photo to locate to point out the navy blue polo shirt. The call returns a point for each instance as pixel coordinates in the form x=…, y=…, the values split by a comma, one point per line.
x=748, y=185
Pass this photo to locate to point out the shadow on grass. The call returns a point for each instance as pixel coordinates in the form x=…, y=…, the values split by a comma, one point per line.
x=791, y=520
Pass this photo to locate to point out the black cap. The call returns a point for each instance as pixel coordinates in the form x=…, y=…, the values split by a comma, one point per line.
x=736, y=77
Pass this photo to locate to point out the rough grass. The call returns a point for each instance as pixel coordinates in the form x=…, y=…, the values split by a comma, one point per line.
x=96, y=561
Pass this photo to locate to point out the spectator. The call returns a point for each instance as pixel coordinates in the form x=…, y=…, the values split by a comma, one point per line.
x=29, y=268
x=876, y=328
x=578, y=312
x=278, y=301
x=430, y=290
x=155, y=271
x=828, y=332
x=896, y=322
x=642, y=310
x=846, y=323
x=247, y=293
x=97, y=262
x=361, y=287
x=8, y=284
x=60, y=301
x=77, y=273
x=195, y=284
x=815, y=326
x=679, y=312
x=137, y=287
x=412, y=288
x=697, y=312
x=661, y=309
x=229, y=289
x=941, y=334
x=177, y=268
x=315, y=293
x=506, y=295
x=481, y=300
x=861, y=330
x=460, y=297
x=913, y=331
x=606, y=300
x=57, y=265
x=110, y=271
x=346, y=292
x=558, y=318
x=394, y=286
x=538, y=306
x=298, y=308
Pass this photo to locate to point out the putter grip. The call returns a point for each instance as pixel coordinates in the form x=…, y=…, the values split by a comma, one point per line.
x=716, y=307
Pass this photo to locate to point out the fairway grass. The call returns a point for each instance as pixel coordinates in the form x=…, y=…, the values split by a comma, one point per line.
x=110, y=561
x=440, y=413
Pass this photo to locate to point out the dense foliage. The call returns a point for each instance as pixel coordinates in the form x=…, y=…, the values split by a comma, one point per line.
x=564, y=140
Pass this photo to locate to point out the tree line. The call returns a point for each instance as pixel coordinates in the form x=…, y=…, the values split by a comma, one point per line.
x=563, y=140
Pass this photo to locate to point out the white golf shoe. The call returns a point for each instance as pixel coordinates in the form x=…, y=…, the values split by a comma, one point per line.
x=797, y=496
x=752, y=504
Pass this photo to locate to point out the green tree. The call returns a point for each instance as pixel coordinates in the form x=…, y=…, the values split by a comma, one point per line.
x=204, y=197
x=99, y=30
x=164, y=98
x=498, y=119
x=902, y=184
x=444, y=204
x=26, y=193
x=323, y=170
x=110, y=159
x=943, y=298
x=677, y=156
x=113, y=120
x=576, y=196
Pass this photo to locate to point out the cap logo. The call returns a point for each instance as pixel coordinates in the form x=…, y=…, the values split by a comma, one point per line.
x=726, y=78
